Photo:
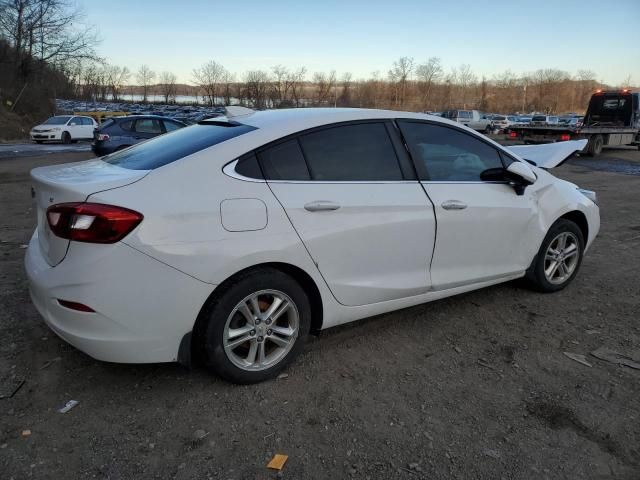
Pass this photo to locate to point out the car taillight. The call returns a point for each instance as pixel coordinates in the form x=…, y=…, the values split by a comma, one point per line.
x=103, y=136
x=565, y=137
x=513, y=134
x=92, y=222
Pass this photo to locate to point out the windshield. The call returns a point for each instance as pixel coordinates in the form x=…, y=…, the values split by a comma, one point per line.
x=173, y=146
x=539, y=118
x=58, y=120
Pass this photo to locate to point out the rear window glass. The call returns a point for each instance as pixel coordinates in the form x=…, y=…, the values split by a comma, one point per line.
x=173, y=146
x=284, y=162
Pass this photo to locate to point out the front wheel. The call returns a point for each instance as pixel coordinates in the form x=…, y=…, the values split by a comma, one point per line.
x=255, y=327
x=66, y=138
x=559, y=257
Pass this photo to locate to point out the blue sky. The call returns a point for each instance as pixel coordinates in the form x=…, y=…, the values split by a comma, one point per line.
x=365, y=36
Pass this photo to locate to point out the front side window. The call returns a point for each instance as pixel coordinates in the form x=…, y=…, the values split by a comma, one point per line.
x=444, y=154
x=357, y=152
x=171, y=126
x=76, y=121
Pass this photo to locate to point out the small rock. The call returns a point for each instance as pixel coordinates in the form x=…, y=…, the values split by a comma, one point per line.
x=283, y=375
x=457, y=349
x=152, y=446
x=492, y=453
x=3, y=446
x=26, y=433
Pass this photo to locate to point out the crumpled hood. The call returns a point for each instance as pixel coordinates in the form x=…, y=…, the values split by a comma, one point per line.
x=548, y=155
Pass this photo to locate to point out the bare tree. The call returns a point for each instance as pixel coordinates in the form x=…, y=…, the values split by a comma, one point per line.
x=399, y=74
x=48, y=30
x=466, y=79
x=208, y=77
x=168, y=89
x=428, y=73
x=345, y=94
x=115, y=79
x=256, y=88
x=280, y=86
x=295, y=81
x=324, y=84
x=145, y=76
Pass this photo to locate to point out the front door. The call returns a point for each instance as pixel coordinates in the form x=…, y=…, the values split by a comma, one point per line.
x=369, y=230
x=481, y=224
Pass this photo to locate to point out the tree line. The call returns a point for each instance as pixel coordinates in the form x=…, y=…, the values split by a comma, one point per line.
x=407, y=85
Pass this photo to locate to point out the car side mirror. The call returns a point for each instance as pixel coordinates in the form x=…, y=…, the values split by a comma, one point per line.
x=73, y=124
x=523, y=171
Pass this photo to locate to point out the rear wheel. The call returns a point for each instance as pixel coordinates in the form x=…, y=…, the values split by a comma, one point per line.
x=255, y=327
x=595, y=145
x=488, y=130
x=66, y=138
x=559, y=257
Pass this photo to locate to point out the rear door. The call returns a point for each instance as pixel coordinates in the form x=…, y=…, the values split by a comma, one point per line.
x=482, y=225
x=354, y=200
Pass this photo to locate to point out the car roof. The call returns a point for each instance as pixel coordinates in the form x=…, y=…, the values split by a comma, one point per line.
x=283, y=122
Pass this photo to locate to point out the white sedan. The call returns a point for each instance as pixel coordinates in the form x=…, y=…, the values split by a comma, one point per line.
x=233, y=239
x=64, y=128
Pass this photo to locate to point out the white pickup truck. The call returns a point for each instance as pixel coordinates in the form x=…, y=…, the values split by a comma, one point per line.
x=471, y=118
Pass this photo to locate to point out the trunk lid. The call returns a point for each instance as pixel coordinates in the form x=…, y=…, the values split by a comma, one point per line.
x=72, y=182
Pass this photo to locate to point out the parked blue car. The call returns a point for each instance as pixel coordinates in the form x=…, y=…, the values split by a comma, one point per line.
x=121, y=132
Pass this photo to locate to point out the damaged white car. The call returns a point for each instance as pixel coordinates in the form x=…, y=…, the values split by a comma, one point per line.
x=233, y=239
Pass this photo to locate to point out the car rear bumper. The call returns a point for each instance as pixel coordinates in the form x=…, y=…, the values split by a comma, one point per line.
x=143, y=307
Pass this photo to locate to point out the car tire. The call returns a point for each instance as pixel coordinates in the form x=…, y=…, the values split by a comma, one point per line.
x=66, y=138
x=488, y=130
x=558, y=261
x=264, y=352
x=595, y=145
x=39, y=142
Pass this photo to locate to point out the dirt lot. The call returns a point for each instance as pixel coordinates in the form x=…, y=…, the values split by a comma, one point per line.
x=475, y=386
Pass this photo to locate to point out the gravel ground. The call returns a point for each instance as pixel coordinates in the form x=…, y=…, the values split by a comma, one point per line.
x=475, y=386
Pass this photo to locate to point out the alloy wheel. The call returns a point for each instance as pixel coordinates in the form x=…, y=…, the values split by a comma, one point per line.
x=561, y=258
x=261, y=330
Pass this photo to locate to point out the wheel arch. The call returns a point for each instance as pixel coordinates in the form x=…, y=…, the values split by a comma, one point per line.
x=580, y=219
x=186, y=349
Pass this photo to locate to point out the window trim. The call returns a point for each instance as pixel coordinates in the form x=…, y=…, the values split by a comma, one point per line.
x=397, y=144
x=420, y=168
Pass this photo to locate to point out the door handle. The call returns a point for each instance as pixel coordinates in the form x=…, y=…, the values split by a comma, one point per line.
x=454, y=205
x=321, y=206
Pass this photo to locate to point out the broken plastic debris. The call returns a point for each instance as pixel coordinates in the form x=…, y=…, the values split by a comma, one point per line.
x=278, y=461
x=68, y=406
x=578, y=358
x=26, y=433
x=604, y=353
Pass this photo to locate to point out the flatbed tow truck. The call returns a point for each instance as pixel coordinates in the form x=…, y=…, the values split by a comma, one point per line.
x=612, y=118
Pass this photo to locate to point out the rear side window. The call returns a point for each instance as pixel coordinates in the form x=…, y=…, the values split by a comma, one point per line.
x=360, y=152
x=168, y=148
x=444, y=154
x=284, y=161
x=127, y=126
x=171, y=126
x=148, y=125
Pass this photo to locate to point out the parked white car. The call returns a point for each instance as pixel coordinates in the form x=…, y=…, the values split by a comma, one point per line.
x=544, y=120
x=64, y=128
x=235, y=238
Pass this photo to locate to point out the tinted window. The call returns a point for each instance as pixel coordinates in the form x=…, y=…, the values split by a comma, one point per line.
x=284, y=161
x=447, y=155
x=168, y=148
x=87, y=121
x=361, y=152
x=248, y=167
x=127, y=126
x=171, y=126
x=148, y=125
